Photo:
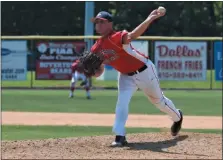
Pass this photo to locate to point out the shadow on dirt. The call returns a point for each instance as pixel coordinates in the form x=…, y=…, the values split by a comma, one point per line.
x=160, y=146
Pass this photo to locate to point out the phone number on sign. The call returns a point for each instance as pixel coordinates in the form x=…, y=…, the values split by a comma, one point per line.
x=11, y=73
x=180, y=75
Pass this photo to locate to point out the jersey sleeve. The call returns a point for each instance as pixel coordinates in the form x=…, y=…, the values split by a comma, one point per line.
x=119, y=36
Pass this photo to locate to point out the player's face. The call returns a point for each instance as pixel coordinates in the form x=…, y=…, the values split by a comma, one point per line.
x=101, y=26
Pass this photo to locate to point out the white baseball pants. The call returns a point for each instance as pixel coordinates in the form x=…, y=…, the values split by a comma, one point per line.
x=79, y=76
x=148, y=82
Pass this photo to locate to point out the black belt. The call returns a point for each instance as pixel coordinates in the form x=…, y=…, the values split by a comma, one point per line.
x=137, y=71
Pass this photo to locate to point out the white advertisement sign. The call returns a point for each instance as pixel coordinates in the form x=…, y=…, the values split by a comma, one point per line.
x=111, y=74
x=181, y=61
x=141, y=46
x=13, y=60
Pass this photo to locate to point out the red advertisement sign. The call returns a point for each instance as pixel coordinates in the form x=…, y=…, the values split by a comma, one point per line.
x=55, y=59
x=53, y=70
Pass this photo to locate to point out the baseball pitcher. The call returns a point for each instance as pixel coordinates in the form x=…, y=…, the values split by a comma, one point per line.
x=135, y=71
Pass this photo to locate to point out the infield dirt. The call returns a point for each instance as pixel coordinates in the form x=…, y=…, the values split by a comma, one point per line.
x=141, y=146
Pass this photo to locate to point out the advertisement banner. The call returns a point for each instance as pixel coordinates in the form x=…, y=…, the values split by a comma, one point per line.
x=218, y=61
x=14, y=60
x=55, y=58
x=141, y=46
x=181, y=61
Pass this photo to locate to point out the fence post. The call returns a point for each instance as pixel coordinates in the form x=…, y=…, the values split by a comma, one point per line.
x=211, y=74
x=89, y=27
x=152, y=50
x=31, y=48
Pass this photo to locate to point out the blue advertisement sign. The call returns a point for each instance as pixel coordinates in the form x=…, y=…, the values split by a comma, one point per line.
x=13, y=60
x=218, y=60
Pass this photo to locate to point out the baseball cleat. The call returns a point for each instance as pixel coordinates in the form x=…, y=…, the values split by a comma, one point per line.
x=120, y=141
x=175, y=128
x=71, y=96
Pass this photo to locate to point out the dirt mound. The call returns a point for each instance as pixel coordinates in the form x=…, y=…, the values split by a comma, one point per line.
x=141, y=146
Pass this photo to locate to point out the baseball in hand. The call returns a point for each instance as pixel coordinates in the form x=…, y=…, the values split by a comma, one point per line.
x=161, y=9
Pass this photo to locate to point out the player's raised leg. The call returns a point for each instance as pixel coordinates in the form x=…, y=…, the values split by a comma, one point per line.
x=148, y=81
x=126, y=88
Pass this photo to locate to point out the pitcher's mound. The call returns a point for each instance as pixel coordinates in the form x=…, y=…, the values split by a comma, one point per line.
x=141, y=146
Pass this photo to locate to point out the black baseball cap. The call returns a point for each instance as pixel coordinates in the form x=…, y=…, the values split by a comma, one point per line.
x=103, y=15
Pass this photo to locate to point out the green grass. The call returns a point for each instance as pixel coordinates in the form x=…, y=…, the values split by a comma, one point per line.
x=104, y=101
x=44, y=132
x=65, y=83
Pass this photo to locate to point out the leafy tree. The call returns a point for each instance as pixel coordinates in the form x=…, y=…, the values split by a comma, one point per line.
x=191, y=18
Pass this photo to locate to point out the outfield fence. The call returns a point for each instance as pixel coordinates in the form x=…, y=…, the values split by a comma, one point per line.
x=182, y=62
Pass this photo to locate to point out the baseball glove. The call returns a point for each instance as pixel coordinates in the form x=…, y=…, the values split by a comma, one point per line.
x=90, y=62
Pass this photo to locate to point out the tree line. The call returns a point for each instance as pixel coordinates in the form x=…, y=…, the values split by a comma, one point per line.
x=194, y=18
